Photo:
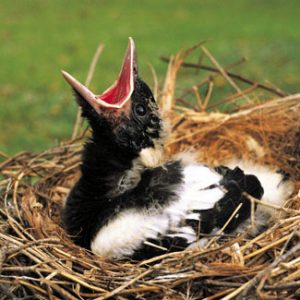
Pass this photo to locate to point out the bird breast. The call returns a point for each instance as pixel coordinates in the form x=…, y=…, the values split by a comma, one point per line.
x=131, y=228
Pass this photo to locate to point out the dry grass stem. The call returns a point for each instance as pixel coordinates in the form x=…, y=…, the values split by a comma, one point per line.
x=78, y=122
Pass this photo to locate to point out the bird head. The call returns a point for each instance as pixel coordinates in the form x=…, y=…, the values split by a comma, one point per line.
x=126, y=113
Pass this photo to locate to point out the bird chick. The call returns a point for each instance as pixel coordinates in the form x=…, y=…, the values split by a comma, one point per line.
x=130, y=201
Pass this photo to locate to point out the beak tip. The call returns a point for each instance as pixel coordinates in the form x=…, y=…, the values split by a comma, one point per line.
x=69, y=78
x=65, y=74
x=131, y=42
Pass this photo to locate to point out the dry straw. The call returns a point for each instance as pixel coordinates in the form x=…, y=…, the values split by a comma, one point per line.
x=38, y=261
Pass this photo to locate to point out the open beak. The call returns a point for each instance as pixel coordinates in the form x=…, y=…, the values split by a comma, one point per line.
x=120, y=92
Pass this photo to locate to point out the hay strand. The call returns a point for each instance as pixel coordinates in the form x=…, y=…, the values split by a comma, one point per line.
x=78, y=122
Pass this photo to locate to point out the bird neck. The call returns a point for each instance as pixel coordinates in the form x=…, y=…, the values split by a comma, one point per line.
x=103, y=165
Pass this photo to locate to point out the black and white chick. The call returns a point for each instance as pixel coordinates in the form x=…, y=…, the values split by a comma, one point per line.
x=130, y=202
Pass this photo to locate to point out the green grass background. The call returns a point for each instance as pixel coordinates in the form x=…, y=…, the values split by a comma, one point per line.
x=39, y=38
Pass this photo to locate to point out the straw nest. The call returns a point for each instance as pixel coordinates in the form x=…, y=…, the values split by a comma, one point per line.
x=38, y=261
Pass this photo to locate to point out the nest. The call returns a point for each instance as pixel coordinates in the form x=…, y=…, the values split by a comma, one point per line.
x=38, y=261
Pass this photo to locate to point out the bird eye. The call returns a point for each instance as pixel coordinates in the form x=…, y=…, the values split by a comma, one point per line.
x=140, y=110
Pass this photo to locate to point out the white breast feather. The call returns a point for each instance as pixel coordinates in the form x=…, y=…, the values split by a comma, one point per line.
x=194, y=193
x=122, y=235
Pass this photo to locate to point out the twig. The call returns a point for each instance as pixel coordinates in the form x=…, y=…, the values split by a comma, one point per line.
x=282, y=287
x=267, y=105
x=267, y=247
x=208, y=95
x=219, y=294
x=4, y=155
x=212, y=76
x=266, y=87
x=267, y=204
x=198, y=98
x=44, y=242
x=223, y=72
x=237, y=291
x=123, y=286
x=262, y=274
x=167, y=99
x=3, y=254
x=200, y=59
x=292, y=235
x=78, y=122
x=278, y=287
x=234, y=96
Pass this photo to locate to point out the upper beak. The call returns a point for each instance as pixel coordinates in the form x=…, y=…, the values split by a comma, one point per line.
x=120, y=92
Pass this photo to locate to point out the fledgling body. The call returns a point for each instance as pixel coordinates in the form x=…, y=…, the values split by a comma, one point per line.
x=130, y=201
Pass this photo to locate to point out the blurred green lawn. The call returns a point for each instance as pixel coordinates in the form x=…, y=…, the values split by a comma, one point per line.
x=39, y=38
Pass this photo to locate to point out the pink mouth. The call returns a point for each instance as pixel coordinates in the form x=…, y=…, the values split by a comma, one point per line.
x=120, y=92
